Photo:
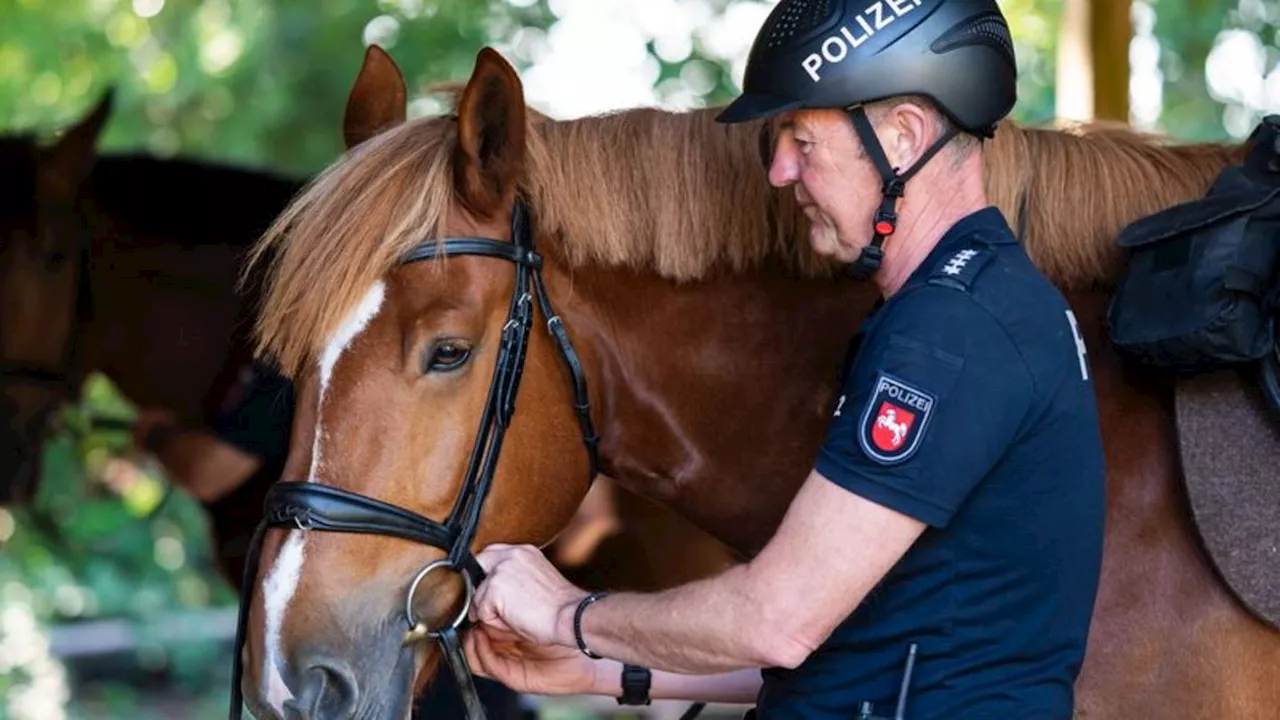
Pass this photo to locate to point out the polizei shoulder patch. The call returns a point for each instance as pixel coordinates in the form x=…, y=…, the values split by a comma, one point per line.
x=894, y=421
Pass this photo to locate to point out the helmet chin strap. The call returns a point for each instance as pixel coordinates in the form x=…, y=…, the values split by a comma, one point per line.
x=886, y=220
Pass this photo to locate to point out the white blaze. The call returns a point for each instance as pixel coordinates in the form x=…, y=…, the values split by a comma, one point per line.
x=282, y=580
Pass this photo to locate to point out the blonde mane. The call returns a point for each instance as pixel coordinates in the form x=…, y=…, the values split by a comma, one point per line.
x=679, y=195
x=1082, y=185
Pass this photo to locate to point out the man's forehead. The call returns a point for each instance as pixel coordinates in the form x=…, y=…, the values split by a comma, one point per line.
x=803, y=118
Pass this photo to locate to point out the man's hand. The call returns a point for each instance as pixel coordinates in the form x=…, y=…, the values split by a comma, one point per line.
x=526, y=667
x=523, y=593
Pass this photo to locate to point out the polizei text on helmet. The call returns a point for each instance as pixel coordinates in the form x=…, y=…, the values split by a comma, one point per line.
x=865, y=25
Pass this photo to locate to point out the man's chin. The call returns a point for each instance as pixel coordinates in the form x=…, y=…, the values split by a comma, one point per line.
x=823, y=240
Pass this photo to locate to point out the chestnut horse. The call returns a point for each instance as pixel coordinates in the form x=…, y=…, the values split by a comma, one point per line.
x=127, y=265
x=710, y=338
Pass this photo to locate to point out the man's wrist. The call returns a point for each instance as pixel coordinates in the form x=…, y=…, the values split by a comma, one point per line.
x=607, y=678
x=564, y=624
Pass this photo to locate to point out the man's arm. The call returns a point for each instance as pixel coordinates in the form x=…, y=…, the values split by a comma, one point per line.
x=205, y=465
x=543, y=669
x=831, y=549
x=737, y=686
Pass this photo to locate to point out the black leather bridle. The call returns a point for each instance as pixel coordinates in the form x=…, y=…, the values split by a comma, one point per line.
x=310, y=506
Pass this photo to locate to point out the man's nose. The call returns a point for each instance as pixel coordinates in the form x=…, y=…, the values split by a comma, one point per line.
x=784, y=170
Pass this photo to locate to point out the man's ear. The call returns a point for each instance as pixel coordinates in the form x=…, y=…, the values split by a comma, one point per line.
x=909, y=127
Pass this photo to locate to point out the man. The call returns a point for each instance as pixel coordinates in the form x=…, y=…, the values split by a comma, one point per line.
x=952, y=522
x=249, y=435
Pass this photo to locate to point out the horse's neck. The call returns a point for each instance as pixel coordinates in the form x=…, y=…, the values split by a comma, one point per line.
x=164, y=322
x=713, y=396
x=167, y=325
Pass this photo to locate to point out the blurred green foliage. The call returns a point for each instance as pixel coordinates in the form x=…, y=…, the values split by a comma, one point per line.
x=250, y=81
x=105, y=539
x=264, y=82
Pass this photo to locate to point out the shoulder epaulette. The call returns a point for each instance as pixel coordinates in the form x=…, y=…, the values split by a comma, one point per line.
x=961, y=268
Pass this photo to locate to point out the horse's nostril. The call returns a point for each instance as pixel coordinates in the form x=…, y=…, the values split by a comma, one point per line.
x=328, y=692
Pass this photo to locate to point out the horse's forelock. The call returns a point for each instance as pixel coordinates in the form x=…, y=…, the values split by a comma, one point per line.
x=345, y=231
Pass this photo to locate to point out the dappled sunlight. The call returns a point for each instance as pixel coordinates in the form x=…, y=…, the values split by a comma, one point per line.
x=35, y=682
x=107, y=540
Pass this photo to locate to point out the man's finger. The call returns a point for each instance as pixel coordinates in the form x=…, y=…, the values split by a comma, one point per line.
x=481, y=607
x=471, y=643
x=500, y=631
x=489, y=556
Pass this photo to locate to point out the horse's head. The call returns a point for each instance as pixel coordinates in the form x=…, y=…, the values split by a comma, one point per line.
x=43, y=241
x=405, y=362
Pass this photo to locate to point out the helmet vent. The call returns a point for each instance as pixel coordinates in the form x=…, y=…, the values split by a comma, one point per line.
x=986, y=29
x=794, y=18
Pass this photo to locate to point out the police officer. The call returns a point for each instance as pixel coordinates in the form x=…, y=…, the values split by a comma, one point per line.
x=944, y=552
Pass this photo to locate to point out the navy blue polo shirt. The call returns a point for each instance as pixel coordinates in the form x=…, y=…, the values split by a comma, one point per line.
x=259, y=415
x=969, y=406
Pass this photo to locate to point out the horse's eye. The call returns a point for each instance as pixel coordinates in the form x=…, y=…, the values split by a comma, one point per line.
x=447, y=355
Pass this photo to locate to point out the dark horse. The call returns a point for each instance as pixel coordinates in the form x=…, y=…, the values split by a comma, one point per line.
x=710, y=337
x=125, y=265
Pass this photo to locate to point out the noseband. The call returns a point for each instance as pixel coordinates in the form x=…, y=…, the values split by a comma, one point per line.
x=310, y=506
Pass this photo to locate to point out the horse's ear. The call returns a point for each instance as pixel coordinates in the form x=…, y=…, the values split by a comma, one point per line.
x=68, y=162
x=491, y=135
x=376, y=101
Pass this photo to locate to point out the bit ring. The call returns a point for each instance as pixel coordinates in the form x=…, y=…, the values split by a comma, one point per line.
x=413, y=588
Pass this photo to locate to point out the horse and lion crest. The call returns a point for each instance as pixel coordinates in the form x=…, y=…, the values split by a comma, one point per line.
x=687, y=284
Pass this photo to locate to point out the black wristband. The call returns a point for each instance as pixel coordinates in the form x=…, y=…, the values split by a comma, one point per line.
x=577, y=623
x=635, y=685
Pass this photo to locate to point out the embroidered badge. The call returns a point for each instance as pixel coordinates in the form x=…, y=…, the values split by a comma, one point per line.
x=894, y=420
x=957, y=262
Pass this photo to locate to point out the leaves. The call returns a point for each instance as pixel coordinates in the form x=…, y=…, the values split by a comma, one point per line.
x=87, y=549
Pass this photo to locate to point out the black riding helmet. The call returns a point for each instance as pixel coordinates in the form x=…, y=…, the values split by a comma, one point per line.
x=841, y=53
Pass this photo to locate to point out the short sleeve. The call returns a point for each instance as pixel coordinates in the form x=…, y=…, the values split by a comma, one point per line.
x=260, y=422
x=934, y=398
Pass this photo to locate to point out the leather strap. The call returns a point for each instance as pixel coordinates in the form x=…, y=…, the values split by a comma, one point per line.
x=894, y=183
x=451, y=648
x=242, y=621
x=311, y=506
x=581, y=398
x=636, y=680
x=36, y=374
x=515, y=252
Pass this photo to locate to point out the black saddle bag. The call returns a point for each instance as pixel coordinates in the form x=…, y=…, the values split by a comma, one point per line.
x=1201, y=287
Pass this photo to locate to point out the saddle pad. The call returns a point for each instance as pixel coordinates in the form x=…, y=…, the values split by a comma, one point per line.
x=1230, y=445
